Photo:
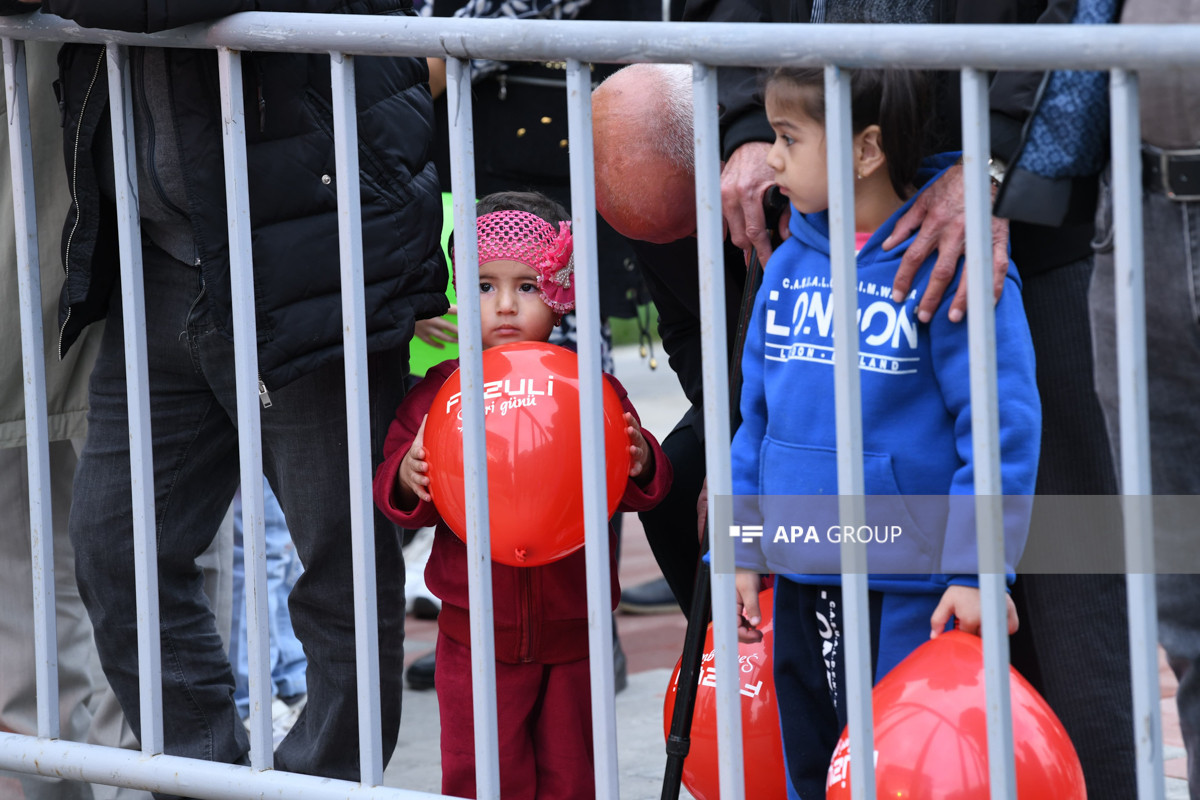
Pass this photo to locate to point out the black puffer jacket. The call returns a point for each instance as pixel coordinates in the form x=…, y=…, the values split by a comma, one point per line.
x=292, y=183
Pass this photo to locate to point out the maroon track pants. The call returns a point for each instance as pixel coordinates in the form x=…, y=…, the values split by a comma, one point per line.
x=544, y=716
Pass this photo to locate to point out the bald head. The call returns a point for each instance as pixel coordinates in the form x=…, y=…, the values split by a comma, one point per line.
x=642, y=127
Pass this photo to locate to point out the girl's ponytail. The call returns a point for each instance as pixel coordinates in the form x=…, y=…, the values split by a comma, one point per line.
x=905, y=103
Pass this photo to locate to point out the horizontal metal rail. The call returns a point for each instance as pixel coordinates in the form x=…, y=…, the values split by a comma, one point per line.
x=176, y=775
x=987, y=47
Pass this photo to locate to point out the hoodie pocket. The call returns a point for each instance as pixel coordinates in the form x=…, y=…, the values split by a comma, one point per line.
x=801, y=526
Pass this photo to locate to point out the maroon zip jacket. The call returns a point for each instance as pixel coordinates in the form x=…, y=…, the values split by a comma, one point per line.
x=540, y=613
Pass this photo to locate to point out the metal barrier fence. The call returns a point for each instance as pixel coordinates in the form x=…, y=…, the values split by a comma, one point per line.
x=971, y=49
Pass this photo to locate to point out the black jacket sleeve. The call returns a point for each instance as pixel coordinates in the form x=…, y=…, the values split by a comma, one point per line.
x=11, y=7
x=148, y=16
x=1013, y=95
x=670, y=272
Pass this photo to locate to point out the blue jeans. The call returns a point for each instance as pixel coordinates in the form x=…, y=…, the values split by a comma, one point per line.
x=195, y=450
x=1172, y=258
x=286, y=657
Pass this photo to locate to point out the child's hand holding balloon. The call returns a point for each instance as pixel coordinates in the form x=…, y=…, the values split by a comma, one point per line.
x=641, y=465
x=412, y=480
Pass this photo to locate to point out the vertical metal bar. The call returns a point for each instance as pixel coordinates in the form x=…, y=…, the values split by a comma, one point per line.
x=358, y=417
x=985, y=433
x=33, y=359
x=847, y=391
x=709, y=237
x=133, y=300
x=245, y=356
x=591, y=428
x=479, y=550
x=1128, y=254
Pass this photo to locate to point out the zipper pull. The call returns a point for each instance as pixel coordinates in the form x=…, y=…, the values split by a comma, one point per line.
x=262, y=98
x=502, y=79
x=264, y=396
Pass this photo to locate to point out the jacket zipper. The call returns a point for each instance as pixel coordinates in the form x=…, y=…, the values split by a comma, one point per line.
x=262, y=98
x=151, y=135
x=525, y=654
x=264, y=396
x=75, y=196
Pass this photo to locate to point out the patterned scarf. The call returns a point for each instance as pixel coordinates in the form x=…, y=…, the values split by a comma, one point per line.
x=510, y=9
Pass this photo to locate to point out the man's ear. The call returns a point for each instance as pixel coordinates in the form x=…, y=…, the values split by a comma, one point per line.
x=868, y=151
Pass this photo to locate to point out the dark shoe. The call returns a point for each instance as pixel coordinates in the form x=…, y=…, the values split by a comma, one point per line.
x=620, y=667
x=653, y=597
x=420, y=672
x=284, y=713
x=424, y=608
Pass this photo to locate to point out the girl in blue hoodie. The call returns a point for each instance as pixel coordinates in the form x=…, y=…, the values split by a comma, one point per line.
x=916, y=411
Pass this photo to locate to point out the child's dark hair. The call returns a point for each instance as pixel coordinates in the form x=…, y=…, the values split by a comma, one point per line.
x=899, y=101
x=531, y=202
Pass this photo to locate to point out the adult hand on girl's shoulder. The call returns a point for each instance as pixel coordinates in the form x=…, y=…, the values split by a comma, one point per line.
x=641, y=461
x=963, y=603
x=412, y=479
x=938, y=216
x=749, y=615
x=437, y=332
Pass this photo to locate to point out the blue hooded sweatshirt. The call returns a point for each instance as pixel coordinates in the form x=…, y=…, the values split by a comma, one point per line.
x=916, y=410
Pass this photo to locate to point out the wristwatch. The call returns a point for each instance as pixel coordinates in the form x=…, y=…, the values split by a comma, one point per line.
x=996, y=171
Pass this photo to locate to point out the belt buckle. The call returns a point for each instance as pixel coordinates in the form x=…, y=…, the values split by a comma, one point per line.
x=1164, y=174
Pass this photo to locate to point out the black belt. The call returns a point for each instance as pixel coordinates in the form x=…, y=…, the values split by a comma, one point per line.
x=1175, y=173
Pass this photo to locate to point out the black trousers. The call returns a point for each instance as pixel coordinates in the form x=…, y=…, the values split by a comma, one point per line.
x=1073, y=643
x=671, y=525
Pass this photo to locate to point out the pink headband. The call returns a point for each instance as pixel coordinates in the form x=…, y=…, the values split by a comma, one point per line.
x=530, y=240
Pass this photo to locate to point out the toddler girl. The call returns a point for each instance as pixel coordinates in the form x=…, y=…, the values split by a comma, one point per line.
x=540, y=613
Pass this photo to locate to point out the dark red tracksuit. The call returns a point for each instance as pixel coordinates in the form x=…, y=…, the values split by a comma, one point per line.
x=540, y=617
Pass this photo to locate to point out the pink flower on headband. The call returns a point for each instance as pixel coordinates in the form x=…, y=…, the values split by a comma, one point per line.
x=556, y=271
x=530, y=240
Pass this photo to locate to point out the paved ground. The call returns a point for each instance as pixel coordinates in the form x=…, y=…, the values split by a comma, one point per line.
x=652, y=643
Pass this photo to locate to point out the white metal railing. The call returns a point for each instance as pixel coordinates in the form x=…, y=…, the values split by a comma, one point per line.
x=1122, y=49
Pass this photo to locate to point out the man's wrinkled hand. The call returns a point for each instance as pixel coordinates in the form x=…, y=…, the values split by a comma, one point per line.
x=939, y=219
x=744, y=179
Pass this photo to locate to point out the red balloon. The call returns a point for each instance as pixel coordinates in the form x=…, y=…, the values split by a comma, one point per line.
x=931, y=732
x=535, y=473
x=762, y=747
